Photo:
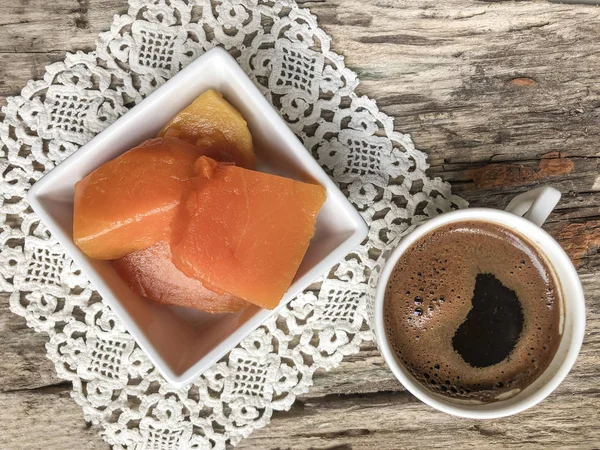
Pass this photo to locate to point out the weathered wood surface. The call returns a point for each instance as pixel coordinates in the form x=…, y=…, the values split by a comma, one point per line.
x=501, y=95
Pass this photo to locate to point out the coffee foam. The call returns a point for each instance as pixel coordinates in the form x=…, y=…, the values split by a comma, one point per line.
x=429, y=296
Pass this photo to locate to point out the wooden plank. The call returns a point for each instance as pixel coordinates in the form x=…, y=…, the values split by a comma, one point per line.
x=17, y=68
x=397, y=420
x=45, y=419
x=24, y=364
x=38, y=26
x=36, y=410
x=35, y=33
x=447, y=71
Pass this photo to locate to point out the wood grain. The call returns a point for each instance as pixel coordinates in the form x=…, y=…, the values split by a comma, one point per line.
x=502, y=95
x=23, y=355
x=45, y=419
x=35, y=33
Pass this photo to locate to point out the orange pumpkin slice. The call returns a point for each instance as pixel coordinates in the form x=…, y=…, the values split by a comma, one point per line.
x=128, y=203
x=151, y=274
x=245, y=232
x=211, y=119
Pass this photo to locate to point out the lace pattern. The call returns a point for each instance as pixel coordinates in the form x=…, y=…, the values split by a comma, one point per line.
x=288, y=56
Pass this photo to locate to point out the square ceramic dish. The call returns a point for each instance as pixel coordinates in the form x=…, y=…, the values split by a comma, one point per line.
x=182, y=342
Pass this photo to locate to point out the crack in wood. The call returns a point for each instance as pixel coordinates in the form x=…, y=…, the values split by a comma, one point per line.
x=35, y=52
x=53, y=388
x=20, y=22
x=529, y=27
x=382, y=396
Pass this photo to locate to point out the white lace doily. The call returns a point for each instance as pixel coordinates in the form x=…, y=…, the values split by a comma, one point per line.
x=288, y=56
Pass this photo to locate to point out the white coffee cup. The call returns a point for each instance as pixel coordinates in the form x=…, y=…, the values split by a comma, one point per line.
x=525, y=214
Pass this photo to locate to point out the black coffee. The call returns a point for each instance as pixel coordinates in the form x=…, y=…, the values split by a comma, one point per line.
x=473, y=311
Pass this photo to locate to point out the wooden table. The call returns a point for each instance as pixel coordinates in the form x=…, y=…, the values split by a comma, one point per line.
x=501, y=95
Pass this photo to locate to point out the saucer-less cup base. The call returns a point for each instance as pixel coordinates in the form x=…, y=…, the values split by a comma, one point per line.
x=182, y=342
x=535, y=206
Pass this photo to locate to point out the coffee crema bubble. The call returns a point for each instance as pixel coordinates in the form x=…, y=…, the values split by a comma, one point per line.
x=473, y=311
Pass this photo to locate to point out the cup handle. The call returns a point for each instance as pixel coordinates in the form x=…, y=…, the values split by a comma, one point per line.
x=535, y=205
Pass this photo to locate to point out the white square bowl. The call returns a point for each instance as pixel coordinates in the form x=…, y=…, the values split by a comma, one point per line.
x=182, y=342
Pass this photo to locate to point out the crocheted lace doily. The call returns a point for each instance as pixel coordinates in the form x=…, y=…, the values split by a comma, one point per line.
x=288, y=57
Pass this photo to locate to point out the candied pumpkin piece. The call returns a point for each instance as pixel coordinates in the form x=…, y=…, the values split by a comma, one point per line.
x=151, y=274
x=244, y=232
x=220, y=149
x=127, y=204
x=211, y=120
